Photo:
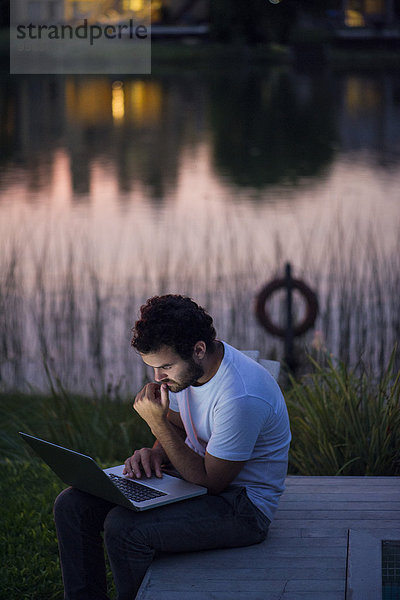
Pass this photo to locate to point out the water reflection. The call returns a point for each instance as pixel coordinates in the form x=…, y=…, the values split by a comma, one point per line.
x=274, y=127
x=113, y=190
x=369, y=115
x=286, y=130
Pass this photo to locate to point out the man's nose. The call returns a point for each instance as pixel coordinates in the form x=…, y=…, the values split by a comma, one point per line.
x=159, y=375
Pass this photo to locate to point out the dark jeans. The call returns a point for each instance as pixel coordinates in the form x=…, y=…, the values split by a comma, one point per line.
x=132, y=539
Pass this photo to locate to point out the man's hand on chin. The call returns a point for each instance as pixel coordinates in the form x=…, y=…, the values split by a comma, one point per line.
x=152, y=404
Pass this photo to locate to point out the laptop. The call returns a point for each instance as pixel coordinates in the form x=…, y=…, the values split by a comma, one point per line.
x=82, y=472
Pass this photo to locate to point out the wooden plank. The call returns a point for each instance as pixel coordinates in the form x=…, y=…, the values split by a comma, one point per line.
x=330, y=504
x=336, y=493
x=332, y=487
x=207, y=585
x=315, y=585
x=231, y=595
x=361, y=515
x=290, y=551
x=361, y=498
x=304, y=532
x=227, y=562
x=348, y=496
x=332, y=523
x=277, y=541
x=347, y=479
x=282, y=573
x=189, y=595
x=339, y=532
x=339, y=595
x=339, y=489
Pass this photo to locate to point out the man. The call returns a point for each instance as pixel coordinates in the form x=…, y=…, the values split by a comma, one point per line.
x=220, y=419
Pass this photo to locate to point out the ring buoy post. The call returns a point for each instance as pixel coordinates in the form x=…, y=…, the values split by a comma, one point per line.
x=290, y=331
x=289, y=354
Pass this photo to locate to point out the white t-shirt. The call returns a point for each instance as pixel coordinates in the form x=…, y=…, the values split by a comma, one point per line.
x=240, y=414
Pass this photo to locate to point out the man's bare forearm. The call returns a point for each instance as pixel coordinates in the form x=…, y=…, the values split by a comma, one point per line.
x=179, y=431
x=189, y=464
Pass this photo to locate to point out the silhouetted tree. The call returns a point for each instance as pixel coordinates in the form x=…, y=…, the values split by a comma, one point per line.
x=251, y=22
x=256, y=21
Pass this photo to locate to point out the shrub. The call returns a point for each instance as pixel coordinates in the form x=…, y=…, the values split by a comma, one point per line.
x=345, y=423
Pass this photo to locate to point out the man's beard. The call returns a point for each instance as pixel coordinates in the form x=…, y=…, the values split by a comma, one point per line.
x=190, y=377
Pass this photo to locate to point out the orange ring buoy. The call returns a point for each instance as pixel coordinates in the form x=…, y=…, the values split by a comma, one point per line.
x=264, y=317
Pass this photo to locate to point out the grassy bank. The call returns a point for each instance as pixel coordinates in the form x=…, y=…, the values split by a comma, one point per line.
x=106, y=429
x=28, y=544
x=103, y=428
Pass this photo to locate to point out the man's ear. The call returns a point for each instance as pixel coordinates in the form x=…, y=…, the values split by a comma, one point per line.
x=199, y=350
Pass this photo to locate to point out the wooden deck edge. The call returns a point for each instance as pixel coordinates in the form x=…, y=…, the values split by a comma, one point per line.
x=143, y=588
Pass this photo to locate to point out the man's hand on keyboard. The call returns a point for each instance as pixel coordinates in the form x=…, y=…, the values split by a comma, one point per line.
x=147, y=460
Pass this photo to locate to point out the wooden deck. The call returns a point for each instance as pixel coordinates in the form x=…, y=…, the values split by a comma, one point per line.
x=313, y=552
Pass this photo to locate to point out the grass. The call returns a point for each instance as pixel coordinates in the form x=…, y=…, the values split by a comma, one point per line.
x=345, y=423
x=103, y=427
x=28, y=542
x=28, y=545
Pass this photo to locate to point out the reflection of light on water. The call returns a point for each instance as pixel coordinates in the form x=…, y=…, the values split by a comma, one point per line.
x=118, y=101
x=359, y=14
x=145, y=99
x=353, y=18
x=88, y=102
x=92, y=102
x=362, y=95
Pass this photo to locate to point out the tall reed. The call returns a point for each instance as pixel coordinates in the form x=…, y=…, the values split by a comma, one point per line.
x=64, y=308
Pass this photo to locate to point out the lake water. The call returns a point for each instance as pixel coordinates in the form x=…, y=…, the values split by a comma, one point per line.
x=113, y=190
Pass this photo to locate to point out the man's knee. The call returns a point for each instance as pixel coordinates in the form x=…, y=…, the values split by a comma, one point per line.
x=67, y=501
x=74, y=505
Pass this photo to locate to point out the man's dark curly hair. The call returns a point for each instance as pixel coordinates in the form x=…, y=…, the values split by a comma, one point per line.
x=174, y=321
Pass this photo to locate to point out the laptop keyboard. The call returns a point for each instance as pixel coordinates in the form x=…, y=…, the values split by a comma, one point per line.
x=135, y=491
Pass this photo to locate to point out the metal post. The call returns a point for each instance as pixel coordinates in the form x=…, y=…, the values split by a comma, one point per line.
x=345, y=6
x=389, y=14
x=289, y=358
